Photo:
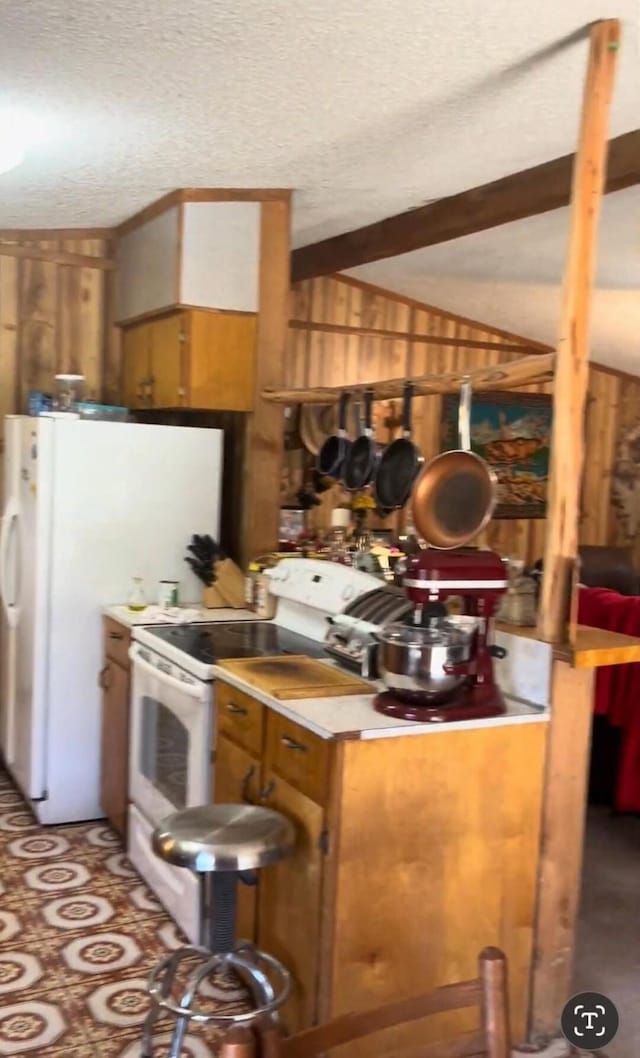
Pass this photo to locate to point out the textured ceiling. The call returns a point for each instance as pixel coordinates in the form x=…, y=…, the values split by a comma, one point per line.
x=511, y=276
x=365, y=107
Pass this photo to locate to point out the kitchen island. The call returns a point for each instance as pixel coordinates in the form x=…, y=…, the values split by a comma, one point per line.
x=417, y=845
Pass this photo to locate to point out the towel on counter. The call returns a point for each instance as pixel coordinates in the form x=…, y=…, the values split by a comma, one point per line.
x=617, y=687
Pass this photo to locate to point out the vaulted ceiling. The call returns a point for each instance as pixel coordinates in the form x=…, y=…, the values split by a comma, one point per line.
x=364, y=109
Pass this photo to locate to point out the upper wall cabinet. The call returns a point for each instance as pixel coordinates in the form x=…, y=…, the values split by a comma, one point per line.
x=202, y=254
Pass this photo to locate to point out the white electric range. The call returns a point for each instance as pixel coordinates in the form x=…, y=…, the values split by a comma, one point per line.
x=173, y=696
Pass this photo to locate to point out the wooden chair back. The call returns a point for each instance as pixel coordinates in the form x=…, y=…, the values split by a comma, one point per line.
x=487, y=991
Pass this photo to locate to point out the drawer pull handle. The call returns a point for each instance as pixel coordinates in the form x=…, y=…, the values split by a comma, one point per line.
x=237, y=710
x=291, y=743
x=266, y=791
x=116, y=635
x=245, y=784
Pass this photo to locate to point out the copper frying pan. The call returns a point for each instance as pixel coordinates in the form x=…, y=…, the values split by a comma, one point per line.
x=456, y=493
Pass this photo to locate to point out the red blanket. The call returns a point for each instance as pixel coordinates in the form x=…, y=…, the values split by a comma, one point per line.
x=617, y=694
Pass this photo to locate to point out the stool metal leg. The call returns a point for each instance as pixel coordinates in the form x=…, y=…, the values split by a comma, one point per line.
x=168, y=976
x=249, y=972
x=218, y=900
x=195, y=980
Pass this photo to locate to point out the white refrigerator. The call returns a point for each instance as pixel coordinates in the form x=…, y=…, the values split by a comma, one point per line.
x=87, y=507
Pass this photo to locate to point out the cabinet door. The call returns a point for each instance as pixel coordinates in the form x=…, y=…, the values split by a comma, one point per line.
x=114, y=680
x=222, y=360
x=236, y=778
x=168, y=343
x=136, y=354
x=289, y=902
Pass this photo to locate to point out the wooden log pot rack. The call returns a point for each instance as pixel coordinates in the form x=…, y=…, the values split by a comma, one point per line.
x=526, y=372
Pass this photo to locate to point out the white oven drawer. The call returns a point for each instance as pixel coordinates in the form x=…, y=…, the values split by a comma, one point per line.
x=175, y=887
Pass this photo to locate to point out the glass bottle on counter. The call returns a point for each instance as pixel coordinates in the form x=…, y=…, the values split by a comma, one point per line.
x=136, y=600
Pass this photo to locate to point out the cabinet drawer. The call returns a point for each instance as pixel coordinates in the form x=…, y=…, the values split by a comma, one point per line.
x=240, y=717
x=298, y=756
x=117, y=638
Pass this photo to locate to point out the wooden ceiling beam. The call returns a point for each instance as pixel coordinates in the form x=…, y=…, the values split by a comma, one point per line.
x=525, y=194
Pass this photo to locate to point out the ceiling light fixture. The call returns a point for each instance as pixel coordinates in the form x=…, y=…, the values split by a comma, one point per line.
x=18, y=132
x=11, y=155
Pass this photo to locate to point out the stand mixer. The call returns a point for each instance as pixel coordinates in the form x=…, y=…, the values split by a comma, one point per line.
x=432, y=577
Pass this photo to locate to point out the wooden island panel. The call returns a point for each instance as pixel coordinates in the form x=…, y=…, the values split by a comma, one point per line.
x=437, y=856
x=412, y=853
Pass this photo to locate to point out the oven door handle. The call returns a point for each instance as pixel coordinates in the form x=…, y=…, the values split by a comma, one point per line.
x=198, y=689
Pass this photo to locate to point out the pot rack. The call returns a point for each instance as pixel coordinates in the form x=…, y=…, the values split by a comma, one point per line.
x=528, y=371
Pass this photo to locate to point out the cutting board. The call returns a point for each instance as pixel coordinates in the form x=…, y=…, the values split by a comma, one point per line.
x=295, y=676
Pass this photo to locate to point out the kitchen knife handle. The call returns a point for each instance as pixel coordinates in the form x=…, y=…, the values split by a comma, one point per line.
x=237, y=710
x=291, y=743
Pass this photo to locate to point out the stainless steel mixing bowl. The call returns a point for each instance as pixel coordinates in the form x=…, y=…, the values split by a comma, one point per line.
x=413, y=662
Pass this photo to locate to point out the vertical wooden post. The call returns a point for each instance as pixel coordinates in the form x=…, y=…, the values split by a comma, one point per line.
x=572, y=359
x=265, y=441
x=562, y=837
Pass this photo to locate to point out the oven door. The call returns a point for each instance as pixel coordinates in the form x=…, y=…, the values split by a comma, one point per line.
x=171, y=731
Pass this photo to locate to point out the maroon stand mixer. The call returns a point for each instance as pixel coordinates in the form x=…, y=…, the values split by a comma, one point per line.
x=431, y=578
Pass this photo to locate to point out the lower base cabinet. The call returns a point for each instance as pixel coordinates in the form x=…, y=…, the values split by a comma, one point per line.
x=114, y=680
x=290, y=929
x=412, y=854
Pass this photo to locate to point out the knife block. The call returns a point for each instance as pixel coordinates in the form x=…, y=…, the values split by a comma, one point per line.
x=229, y=587
x=212, y=599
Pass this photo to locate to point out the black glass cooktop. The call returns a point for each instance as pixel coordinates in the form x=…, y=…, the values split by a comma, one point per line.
x=208, y=643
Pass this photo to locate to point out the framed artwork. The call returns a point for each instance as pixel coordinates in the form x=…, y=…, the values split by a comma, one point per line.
x=511, y=431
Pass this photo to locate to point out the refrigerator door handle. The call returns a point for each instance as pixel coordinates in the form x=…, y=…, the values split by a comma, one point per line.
x=9, y=523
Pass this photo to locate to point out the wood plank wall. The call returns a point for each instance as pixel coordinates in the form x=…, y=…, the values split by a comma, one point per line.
x=52, y=319
x=317, y=358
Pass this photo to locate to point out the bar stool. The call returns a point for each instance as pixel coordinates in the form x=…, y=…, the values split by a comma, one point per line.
x=222, y=845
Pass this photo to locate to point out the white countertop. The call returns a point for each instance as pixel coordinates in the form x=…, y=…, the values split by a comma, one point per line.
x=353, y=716
x=154, y=615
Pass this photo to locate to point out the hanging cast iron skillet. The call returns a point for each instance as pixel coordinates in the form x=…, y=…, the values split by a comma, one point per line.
x=456, y=493
x=399, y=463
x=335, y=449
x=360, y=464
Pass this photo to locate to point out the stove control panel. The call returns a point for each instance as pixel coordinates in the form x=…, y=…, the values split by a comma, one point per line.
x=321, y=585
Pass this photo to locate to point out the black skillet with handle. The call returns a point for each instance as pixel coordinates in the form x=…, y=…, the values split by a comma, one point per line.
x=399, y=464
x=360, y=464
x=335, y=449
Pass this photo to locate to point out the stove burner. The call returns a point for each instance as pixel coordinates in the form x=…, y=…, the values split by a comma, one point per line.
x=209, y=643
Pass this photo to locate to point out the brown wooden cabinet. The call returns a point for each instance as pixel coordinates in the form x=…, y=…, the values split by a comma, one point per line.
x=412, y=854
x=114, y=765
x=289, y=928
x=190, y=358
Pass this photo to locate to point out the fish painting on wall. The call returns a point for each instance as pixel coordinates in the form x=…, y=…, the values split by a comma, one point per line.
x=512, y=433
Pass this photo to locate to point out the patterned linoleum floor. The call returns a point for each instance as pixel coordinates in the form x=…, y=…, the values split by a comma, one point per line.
x=79, y=934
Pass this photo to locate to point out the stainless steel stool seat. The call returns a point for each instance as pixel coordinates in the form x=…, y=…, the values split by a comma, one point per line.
x=223, y=838
x=223, y=845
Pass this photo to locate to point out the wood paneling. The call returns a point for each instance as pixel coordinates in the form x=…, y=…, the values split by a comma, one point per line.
x=52, y=319
x=316, y=358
